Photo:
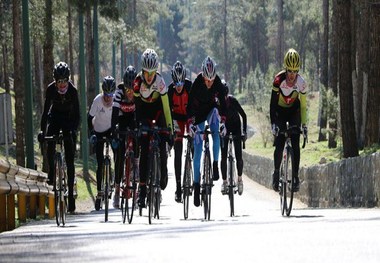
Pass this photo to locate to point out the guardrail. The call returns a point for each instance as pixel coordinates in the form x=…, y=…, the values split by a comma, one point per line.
x=29, y=185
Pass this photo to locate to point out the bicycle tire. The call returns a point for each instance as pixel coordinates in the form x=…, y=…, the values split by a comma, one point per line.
x=106, y=179
x=63, y=196
x=231, y=192
x=187, y=184
x=206, y=193
x=125, y=190
x=289, y=190
x=129, y=190
x=150, y=191
x=157, y=186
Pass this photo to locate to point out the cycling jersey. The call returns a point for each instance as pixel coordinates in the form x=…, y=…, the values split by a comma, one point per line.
x=286, y=96
x=152, y=98
x=202, y=100
x=99, y=115
x=233, y=113
x=178, y=101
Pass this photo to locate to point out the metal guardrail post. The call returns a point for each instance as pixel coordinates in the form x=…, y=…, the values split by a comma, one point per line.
x=3, y=212
x=11, y=212
x=21, y=201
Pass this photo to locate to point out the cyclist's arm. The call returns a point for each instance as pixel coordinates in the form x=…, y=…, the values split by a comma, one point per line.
x=302, y=98
x=47, y=106
x=242, y=114
x=167, y=113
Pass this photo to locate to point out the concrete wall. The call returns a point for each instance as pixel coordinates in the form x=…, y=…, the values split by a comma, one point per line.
x=352, y=182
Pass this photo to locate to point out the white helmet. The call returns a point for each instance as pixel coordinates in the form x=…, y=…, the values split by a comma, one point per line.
x=208, y=68
x=149, y=60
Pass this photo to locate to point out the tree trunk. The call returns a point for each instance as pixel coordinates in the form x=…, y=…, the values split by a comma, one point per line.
x=324, y=72
x=280, y=32
x=18, y=84
x=373, y=109
x=90, y=57
x=333, y=80
x=71, y=40
x=38, y=76
x=48, y=60
x=350, y=148
x=362, y=36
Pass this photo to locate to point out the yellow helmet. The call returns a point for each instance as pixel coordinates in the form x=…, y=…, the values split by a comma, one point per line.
x=292, y=60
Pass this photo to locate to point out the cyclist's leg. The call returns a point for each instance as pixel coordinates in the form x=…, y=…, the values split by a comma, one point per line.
x=99, y=159
x=239, y=161
x=223, y=161
x=295, y=119
x=213, y=121
x=178, y=149
x=198, y=145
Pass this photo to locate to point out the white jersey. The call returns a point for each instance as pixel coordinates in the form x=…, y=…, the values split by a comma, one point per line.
x=102, y=114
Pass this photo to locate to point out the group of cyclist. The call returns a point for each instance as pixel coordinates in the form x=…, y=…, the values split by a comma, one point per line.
x=183, y=106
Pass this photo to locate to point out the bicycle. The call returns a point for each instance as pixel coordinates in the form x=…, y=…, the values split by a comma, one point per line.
x=60, y=178
x=107, y=178
x=154, y=162
x=129, y=182
x=207, y=180
x=231, y=172
x=286, y=169
x=187, y=180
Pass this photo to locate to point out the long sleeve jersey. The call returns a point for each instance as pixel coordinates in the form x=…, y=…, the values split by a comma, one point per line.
x=285, y=96
x=202, y=100
x=62, y=108
x=179, y=101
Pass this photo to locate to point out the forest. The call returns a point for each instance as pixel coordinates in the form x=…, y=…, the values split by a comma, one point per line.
x=338, y=41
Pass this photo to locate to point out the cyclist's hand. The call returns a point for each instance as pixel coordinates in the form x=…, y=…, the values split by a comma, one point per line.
x=41, y=137
x=176, y=126
x=275, y=129
x=192, y=129
x=304, y=130
x=171, y=141
x=93, y=139
x=244, y=136
x=115, y=143
x=222, y=129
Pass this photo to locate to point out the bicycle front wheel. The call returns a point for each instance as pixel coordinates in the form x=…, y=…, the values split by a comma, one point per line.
x=207, y=186
x=107, y=192
x=157, y=186
x=286, y=183
x=231, y=186
x=187, y=185
x=58, y=190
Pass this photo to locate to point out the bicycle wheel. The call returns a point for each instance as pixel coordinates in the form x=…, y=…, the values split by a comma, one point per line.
x=57, y=189
x=231, y=185
x=157, y=186
x=150, y=191
x=207, y=186
x=290, y=178
x=187, y=184
x=129, y=190
x=106, y=176
x=64, y=197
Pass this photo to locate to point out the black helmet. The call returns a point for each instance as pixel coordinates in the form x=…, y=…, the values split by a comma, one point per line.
x=129, y=76
x=225, y=85
x=178, y=73
x=61, y=71
x=108, y=85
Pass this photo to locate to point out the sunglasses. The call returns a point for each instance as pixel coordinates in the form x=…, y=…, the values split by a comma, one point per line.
x=109, y=95
x=179, y=83
x=149, y=74
x=62, y=81
x=292, y=71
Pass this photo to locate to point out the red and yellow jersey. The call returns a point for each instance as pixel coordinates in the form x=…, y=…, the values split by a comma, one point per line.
x=285, y=95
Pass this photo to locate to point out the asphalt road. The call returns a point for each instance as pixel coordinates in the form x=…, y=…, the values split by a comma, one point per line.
x=258, y=233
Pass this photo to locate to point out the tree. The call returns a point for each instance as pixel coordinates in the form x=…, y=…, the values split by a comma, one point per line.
x=373, y=108
x=324, y=72
x=350, y=148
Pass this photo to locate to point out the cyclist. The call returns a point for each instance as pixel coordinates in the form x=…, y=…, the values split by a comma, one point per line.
x=123, y=115
x=206, y=102
x=178, y=93
x=99, y=123
x=233, y=124
x=61, y=112
x=288, y=104
x=152, y=103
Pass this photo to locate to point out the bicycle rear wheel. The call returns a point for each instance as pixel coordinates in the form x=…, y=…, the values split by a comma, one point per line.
x=187, y=184
x=231, y=185
x=150, y=191
x=129, y=191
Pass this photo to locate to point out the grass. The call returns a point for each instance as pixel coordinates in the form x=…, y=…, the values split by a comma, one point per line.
x=314, y=151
